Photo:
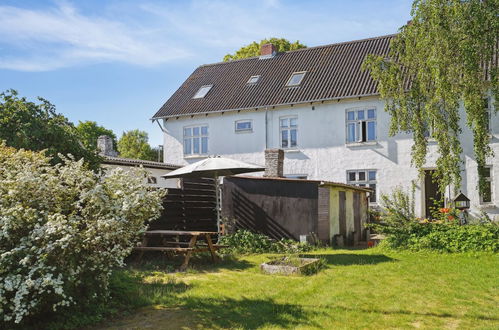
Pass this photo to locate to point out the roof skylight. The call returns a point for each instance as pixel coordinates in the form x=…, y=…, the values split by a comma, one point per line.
x=296, y=78
x=202, y=91
x=253, y=80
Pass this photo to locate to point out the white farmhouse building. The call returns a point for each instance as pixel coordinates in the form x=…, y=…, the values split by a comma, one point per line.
x=322, y=109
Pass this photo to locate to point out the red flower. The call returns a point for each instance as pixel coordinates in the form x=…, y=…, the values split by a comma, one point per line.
x=450, y=217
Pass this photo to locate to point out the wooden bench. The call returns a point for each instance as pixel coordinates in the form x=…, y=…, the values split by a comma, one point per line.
x=187, y=248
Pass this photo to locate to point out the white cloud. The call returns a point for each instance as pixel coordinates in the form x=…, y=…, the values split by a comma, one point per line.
x=60, y=37
x=155, y=32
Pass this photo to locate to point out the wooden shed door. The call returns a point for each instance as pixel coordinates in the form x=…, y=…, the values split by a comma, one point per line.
x=342, y=214
x=356, y=217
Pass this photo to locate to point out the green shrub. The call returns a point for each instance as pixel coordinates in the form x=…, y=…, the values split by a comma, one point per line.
x=245, y=241
x=63, y=230
x=404, y=231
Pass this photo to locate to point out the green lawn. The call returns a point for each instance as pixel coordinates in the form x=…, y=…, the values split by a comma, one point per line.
x=358, y=289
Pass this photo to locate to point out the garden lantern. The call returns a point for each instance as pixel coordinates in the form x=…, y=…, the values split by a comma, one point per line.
x=461, y=202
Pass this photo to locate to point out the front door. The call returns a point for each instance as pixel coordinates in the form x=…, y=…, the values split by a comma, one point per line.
x=432, y=195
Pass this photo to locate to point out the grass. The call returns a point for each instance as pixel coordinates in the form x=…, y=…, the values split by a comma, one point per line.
x=358, y=289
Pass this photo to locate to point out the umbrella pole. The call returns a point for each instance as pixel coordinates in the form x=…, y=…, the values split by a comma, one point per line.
x=217, y=194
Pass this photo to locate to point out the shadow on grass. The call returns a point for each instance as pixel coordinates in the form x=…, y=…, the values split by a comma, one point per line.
x=229, y=313
x=346, y=259
x=402, y=312
x=202, y=262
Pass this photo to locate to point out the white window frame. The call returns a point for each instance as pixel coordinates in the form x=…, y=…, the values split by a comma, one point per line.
x=250, y=82
x=366, y=183
x=202, y=91
x=192, y=137
x=243, y=130
x=489, y=180
x=303, y=73
x=359, y=124
x=288, y=129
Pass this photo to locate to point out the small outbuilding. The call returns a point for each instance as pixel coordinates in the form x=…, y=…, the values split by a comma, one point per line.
x=334, y=213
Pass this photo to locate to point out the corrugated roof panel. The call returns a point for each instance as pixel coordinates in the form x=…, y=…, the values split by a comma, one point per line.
x=333, y=71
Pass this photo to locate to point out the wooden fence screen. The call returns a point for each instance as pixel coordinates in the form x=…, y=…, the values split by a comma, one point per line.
x=193, y=207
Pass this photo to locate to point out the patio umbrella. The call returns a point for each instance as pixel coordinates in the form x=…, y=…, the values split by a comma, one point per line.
x=214, y=167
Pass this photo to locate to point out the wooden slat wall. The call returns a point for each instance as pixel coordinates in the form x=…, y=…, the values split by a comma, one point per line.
x=276, y=208
x=189, y=208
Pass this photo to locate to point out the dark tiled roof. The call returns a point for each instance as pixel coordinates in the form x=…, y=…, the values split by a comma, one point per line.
x=333, y=72
x=138, y=162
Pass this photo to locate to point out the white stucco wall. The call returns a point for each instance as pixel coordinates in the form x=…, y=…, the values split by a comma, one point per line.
x=322, y=152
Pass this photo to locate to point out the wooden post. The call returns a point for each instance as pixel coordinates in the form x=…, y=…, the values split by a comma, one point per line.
x=214, y=256
x=188, y=254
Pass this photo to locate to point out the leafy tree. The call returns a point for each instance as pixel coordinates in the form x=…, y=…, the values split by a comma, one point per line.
x=134, y=144
x=37, y=126
x=89, y=131
x=442, y=59
x=253, y=49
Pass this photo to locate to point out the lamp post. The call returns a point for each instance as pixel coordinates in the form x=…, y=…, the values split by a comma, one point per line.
x=462, y=203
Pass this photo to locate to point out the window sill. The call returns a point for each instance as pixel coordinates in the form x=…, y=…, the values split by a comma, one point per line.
x=195, y=156
x=244, y=131
x=361, y=144
x=487, y=206
x=291, y=150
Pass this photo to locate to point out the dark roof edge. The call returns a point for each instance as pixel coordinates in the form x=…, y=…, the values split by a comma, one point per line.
x=266, y=105
x=303, y=49
x=136, y=162
x=321, y=183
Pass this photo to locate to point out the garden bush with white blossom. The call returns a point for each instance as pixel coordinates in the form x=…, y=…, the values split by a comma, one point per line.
x=63, y=229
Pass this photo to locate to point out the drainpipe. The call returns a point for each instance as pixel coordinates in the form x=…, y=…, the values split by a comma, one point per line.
x=266, y=128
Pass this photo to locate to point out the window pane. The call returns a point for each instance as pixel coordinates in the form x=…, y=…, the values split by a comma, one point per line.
x=187, y=131
x=486, y=172
x=195, y=145
x=371, y=131
x=372, y=175
x=293, y=122
x=204, y=130
x=362, y=176
x=351, y=132
x=372, y=198
x=293, y=138
x=351, y=176
x=371, y=114
x=202, y=92
x=487, y=193
x=350, y=115
x=204, y=145
x=296, y=79
x=195, y=131
x=360, y=115
x=284, y=122
x=187, y=146
x=243, y=125
x=284, y=139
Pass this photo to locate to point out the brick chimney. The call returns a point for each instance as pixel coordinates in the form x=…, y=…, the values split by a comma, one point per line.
x=267, y=51
x=105, y=146
x=274, y=161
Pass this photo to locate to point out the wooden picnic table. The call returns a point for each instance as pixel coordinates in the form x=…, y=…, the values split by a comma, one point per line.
x=170, y=242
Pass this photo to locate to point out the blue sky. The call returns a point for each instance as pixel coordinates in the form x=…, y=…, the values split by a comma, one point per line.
x=116, y=62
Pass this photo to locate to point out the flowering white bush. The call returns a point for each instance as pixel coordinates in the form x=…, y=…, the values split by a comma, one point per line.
x=63, y=229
